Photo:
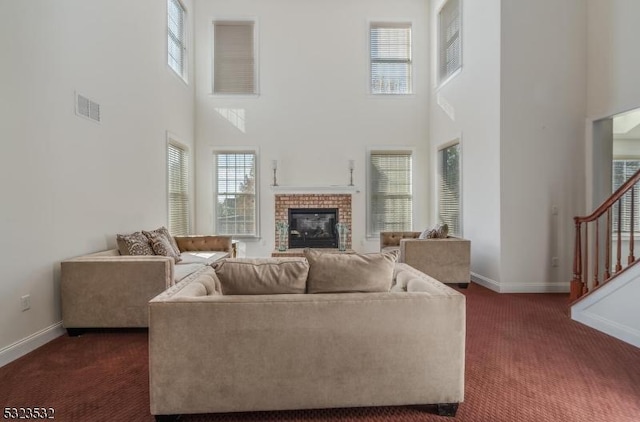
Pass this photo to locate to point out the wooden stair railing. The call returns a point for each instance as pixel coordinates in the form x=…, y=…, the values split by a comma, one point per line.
x=580, y=285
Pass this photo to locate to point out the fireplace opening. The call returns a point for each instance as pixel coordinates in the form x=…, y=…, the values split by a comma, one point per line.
x=313, y=227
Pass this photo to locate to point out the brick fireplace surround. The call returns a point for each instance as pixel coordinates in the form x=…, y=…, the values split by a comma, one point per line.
x=340, y=201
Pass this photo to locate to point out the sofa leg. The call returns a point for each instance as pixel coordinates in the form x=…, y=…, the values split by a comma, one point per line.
x=463, y=285
x=447, y=409
x=74, y=332
x=167, y=418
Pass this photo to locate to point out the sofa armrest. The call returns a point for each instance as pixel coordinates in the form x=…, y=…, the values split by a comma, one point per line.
x=112, y=291
x=446, y=260
x=205, y=243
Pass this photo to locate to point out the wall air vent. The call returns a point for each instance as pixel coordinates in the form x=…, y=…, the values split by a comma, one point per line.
x=87, y=108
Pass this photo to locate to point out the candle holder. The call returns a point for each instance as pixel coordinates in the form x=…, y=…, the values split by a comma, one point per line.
x=351, y=166
x=274, y=167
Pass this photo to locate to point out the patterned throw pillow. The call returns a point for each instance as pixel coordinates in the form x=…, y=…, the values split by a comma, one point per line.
x=163, y=231
x=134, y=244
x=162, y=246
x=440, y=231
x=426, y=234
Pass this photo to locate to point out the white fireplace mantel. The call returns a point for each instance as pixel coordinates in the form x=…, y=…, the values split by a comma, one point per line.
x=315, y=189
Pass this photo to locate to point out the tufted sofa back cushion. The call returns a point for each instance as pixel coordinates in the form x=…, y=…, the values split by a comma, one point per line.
x=393, y=238
x=204, y=243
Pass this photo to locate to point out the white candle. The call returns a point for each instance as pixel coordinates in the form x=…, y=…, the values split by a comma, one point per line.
x=274, y=164
x=351, y=165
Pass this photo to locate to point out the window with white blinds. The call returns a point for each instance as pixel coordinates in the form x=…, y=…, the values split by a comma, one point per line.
x=176, y=43
x=390, y=199
x=449, y=210
x=178, y=190
x=234, y=62
x=390, y=54
x=236, y=209
x=450, y=41
x=622, y=171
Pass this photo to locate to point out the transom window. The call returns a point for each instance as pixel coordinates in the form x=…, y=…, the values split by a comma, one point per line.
x=234, y=62
x=176, y=43
x=449, y=40
x=236, y=210
x=390, y=51
x=390, y=199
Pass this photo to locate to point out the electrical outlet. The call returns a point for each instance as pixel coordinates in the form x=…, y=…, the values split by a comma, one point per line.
x=554, y=261
x=25, y=302
x=554, y=210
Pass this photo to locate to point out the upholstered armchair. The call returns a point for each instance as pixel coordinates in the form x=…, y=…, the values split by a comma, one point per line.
x=447, y=260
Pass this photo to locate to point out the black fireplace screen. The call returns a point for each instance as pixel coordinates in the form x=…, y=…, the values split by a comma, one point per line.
x=313, y=227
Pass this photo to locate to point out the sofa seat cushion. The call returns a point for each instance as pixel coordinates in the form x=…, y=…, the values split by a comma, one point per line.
x=390, y=249
x=335, y=272
x=262, y=276
x=181, y=270
x=202, y=257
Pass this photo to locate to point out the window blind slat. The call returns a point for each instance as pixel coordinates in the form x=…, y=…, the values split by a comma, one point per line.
x=450, y=42
x=449, y=210
x=622, y=171
x=390, y=192
x=390, y=58
x=178, y=191
x=236, y=211
x=176, y=45
x=234, y=61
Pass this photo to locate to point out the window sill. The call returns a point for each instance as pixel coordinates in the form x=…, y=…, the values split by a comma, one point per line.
x=244, y=237
x=234, y=96
x=411, y=95
x=441, y=84
x=183, y=79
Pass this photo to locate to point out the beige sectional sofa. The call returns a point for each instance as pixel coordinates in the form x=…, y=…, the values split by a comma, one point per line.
x=106, y=289
x=210, y=351
x=447, y=260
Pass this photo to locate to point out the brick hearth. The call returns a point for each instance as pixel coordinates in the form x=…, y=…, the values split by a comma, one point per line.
x=340, y=201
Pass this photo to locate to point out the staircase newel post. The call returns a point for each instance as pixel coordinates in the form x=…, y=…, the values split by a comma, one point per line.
x=577, y=284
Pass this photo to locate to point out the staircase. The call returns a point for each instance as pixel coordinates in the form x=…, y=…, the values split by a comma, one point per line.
x=605, y=289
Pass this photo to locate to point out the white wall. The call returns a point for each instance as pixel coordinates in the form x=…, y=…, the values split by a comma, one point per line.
x=70, y=184
x=613, y=68
x=474, y=97
x=544, y=57
x=614, y=63
x=314, y=112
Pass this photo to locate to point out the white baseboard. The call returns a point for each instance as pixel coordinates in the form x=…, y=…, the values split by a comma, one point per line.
x=519, y=287
x=30, y=343
x=485, y=282
x=535, y=287
x=612, y=328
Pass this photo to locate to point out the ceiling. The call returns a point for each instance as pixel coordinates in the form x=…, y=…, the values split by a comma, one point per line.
x=627, y=125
